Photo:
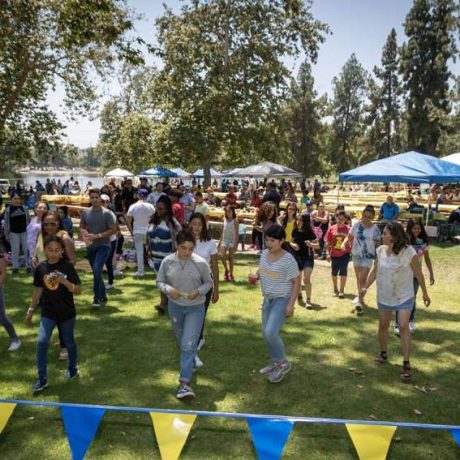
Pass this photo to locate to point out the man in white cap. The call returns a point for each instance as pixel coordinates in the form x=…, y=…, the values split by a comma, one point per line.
x=137, y=219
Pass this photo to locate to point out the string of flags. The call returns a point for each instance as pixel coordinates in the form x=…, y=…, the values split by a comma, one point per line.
x=269, y=433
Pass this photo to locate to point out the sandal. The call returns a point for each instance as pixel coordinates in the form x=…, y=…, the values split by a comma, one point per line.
x=381, y=359
x=405, y=371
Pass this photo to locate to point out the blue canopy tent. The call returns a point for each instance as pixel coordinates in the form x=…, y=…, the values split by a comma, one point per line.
x=409, y=168
x=159, y=172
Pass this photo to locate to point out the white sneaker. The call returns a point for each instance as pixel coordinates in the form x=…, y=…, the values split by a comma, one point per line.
x=356, y=301
x=118, y=273
x=198, y=362
x=396, y=329
x=108, y=286
x=138, y=275
x=14, y=345
x=412, y=326
x=200, y=344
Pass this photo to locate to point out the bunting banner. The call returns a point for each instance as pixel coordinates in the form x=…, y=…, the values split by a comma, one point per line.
x=269, y=433
x=171, y=431
x=269, y=436
x=455, y=434
x=81, y=424
x=371, y=441
x=6, y=409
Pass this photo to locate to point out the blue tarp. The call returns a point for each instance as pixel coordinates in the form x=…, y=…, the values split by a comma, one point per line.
x=409, y=167
x=160, y=172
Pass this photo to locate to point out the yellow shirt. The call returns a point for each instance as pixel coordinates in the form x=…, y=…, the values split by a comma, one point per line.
x=288, y=229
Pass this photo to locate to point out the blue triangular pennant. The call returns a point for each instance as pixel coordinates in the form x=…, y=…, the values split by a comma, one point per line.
x=81, y=424
x=269, y=436
x=456, y=435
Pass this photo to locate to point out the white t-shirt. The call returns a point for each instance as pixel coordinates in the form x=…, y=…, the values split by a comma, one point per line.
x=141, y=212
x=395, y=278
x=206, y=249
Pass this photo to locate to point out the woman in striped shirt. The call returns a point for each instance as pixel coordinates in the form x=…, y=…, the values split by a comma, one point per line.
x=280, y=281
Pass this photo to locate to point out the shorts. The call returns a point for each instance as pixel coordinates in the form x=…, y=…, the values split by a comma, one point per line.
x=407, y=305
x=227, y=243
x=363, y=262
x=305, y=263
x=340, y=265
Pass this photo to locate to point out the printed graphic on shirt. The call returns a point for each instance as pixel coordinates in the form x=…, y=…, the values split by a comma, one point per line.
x=51, y=282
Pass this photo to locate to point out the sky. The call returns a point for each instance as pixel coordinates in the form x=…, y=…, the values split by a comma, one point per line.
x=357, y=26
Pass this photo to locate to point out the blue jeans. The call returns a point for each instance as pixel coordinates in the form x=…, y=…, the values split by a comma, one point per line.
x=44, y=334
x=412, y=313
x=186, y=324
x=18, y=241
x=109, y=261
x=97, y=257
x=273, y=315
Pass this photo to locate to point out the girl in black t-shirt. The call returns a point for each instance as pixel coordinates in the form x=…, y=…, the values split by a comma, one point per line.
x=304, y=242
x=56, y=282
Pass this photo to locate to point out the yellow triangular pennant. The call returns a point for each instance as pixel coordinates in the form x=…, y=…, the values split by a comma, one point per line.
x=371, y=441
x=6, y=409
x=171, y=431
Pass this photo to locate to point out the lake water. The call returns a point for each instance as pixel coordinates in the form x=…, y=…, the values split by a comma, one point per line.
x=30, y=178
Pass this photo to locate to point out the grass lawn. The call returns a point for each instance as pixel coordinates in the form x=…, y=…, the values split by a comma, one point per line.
x=128, y=356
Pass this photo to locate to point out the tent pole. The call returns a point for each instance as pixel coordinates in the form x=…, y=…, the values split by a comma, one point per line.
x=429, y=205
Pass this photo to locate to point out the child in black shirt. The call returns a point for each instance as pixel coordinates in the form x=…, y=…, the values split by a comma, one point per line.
x=56, y=282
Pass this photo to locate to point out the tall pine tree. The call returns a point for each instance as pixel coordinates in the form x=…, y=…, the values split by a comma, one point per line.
x=304, y=118
x=348, y=114
x=384, y=108
x=431, y=27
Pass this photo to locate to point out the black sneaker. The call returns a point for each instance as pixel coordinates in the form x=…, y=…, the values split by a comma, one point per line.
x=28, y=270
x=39, y=385
x=15, y=271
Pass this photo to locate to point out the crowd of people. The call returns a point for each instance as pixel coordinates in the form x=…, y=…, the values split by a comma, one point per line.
x=171, y=232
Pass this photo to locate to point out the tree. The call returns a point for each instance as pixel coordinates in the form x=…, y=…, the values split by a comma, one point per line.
x=432, y=28
x=43, y=42
x=348, y=114
x=449, y=142
x=384, y=108
x=304, y=115
x=223, y=78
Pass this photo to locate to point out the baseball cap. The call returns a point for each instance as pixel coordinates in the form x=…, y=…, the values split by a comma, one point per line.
x=142, y=192
x=105, y=197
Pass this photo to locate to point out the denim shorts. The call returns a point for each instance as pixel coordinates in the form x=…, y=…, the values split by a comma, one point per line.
x=305, y=263
x=407, y=305
x=228, y=243
x=340, y=265
x=362, y=262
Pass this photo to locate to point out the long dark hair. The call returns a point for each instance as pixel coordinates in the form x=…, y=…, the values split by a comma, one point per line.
x=60, y=225
x=398, y=235
x=423, y=235
x=305, y=226
x=284, y=220
x=156, y=220
x=204, y=235
x=55, y=239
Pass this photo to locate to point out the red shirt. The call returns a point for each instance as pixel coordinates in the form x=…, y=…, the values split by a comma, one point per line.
x=335, y=236
x=179, y=212
x=230, y=199
x=256, y=201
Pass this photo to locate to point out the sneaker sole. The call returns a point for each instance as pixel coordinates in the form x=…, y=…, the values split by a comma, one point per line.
x=281, y=376
x=186, y=396
x=39, y=390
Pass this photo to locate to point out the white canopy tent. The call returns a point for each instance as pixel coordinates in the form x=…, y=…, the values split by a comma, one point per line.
x=119, y=172
x=453, y=158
